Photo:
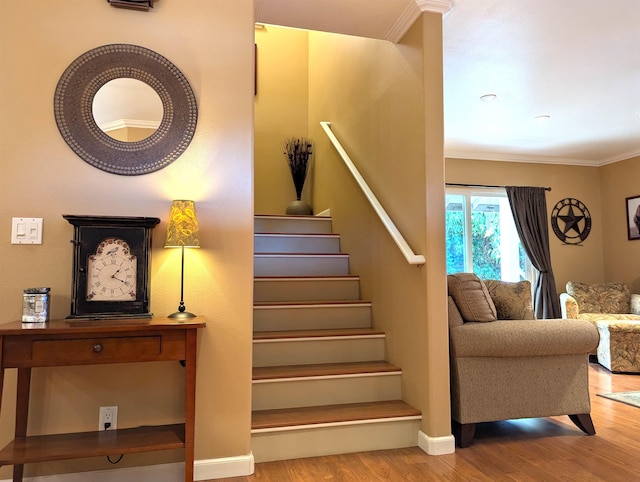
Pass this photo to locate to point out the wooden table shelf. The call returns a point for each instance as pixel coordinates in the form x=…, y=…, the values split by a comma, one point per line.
x=66, y=343
x=47, y=448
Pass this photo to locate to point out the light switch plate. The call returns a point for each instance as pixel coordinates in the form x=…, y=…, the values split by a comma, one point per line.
x=26, y=231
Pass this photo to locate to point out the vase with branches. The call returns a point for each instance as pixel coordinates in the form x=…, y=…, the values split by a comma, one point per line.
x=298, y=151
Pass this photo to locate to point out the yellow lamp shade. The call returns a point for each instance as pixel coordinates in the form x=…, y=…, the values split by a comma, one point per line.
x=182, y=228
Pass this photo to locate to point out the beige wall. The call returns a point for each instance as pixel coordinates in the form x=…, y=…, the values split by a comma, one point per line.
x=212, y=43
x=570, y=262
x=373, y=93
x=622, y=256
x=281, y=111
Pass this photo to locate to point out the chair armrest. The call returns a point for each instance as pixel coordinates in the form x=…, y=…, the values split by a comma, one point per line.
x=524, y=338
x=635, y=304
x=568, y=306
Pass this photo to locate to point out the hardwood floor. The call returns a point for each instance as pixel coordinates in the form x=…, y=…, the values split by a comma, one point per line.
x=547, y=449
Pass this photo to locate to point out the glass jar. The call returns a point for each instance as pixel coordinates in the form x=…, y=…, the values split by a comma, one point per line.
x=35, y=305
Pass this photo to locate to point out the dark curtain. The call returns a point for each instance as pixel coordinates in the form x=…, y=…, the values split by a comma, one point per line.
x=529, y=208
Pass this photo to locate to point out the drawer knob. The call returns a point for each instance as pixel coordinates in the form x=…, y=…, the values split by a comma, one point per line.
x=97, y=347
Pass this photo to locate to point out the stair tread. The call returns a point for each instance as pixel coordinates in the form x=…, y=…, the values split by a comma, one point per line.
x=323, y=369
x=308, y=277
x=291, y=417
x=291, y=216
x=296, y=235
x=273, y=335
x=312, y=303
x=301, y=255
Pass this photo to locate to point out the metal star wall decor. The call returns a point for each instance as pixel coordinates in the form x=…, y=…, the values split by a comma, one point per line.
x=571, y=221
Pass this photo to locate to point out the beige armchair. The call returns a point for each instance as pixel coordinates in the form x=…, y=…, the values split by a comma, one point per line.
x=506, y=367
x=604, y=301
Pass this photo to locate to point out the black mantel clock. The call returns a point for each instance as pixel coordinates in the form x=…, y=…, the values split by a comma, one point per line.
x=111, y=266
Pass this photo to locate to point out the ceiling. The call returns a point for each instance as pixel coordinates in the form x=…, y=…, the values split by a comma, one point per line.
x=575, y=61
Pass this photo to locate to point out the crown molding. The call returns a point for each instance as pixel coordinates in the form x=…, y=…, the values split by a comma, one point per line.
x=533, y=159
x=404, y=22
x=410, y=14
x=122, y=123
x=436, y=6
x=502, y=157
x=621, y=157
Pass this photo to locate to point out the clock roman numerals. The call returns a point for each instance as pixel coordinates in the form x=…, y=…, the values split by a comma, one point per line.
x=111, y=272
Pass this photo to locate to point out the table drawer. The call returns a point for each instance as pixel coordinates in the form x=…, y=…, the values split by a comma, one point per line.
x=81, y=351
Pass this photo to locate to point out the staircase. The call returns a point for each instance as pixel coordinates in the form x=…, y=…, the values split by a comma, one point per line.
x=321, y=384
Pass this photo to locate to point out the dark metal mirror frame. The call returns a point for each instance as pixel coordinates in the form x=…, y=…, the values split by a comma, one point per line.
x=73, y=109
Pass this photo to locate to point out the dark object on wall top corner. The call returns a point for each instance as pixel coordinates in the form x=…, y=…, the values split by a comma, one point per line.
x=132, y=4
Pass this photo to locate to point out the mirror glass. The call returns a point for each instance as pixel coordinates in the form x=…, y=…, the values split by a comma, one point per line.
x=127, y=110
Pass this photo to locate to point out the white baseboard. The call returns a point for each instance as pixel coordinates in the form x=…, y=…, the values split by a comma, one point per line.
x=224, y=467
x=203, y=470
x=436, y=445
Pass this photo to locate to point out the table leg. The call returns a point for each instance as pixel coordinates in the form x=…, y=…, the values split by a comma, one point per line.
x=190, y=403
x=1, y=373
x=22, y=413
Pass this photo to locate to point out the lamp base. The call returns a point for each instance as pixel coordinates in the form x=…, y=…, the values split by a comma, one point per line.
x=181, y=315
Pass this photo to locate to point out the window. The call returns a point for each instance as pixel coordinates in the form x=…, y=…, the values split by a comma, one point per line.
x=482, y=237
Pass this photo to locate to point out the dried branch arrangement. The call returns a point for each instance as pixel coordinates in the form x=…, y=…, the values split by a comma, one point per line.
x=298, y=151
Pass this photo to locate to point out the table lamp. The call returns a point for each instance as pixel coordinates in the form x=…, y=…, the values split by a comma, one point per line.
x=182, y=232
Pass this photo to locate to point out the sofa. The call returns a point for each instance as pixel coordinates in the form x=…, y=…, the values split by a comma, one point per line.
x=615, y=312
x=507, y=365
x=599, y=301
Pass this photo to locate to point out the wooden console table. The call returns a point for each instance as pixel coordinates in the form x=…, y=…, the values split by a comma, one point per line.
x=86, y=342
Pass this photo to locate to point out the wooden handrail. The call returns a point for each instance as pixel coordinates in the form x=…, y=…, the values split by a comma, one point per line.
x=405, y=249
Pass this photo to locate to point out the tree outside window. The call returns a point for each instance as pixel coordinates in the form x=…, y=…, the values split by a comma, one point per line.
x=481, y=236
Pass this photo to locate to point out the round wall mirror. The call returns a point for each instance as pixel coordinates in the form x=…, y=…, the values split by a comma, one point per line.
x=74, y=109
x=127, y=109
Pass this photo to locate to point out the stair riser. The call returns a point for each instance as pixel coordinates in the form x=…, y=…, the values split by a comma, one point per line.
x=334, y=440
x=311, y=318
x=295, y=352
x=275, y=224
x=272, y=243
x=300, y=265
x=306, y=290
x=330, y=391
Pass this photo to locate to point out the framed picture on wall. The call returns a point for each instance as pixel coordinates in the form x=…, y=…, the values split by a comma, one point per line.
x=633, y=217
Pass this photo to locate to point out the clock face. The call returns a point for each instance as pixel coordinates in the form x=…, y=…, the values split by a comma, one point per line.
x=111, y=272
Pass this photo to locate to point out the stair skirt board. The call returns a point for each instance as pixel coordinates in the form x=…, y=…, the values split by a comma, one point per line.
x=311, y=288
x=329, y=390
x=296, y=243
x=292, y=224
x=282, y=264
x=279, y=317
x=308, y=351
x=338, y=438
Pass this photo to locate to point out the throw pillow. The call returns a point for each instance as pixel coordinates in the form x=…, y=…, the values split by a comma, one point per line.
x=512, y=300
x=600, y=298
x=472, y=297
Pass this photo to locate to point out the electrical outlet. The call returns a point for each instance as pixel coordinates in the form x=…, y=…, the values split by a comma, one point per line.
x=108, y=418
